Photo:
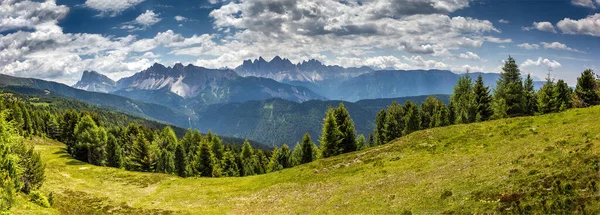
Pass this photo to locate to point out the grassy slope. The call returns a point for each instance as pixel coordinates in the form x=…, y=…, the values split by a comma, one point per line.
x=484, y=165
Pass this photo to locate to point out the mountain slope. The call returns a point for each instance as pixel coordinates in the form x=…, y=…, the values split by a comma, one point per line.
x=180, y=86
x=108, y=101
x=95, y=82
x=503, y=166
x=277, y=121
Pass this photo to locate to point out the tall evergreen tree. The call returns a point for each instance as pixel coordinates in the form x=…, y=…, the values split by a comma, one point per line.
x=380, y=128
x=510, y=88
x=33, y=170
x=413, y=119
x=90, y=141
x=546, y=102
x=229, y=166
x=307, y=147
x=586, y=89
x=361, y=142
x=216, y=145
x=394, y=122
x=248, y=161
x=346, y=126
x=483, y=100
x=330, y=137
x=167, y=144
x=463, y=100
x=428, y=111
x=562, y=95
x=442, y=116
x=142, y=155
x=529, y=97
x=181, y=165
x=114, y=153
x=204, y=165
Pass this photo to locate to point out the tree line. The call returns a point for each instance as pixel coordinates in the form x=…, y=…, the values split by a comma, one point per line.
x=474, y=102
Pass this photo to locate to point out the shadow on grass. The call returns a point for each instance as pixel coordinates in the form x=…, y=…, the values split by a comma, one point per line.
x=76, y=163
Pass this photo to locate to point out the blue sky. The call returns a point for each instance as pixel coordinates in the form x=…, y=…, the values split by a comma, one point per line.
x=58, y=40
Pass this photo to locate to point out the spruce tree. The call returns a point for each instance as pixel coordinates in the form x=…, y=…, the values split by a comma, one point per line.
x=90, y=141
x=33, y=171
x=142, y=155
x=413, y=119
x=530, y=97
x=546, y=102
x=204, y=165
x=274, y=164
x=428, y=111
x=562, y=96
x=346, y=126
x=247, y=156
x=114, y=153
x=361, y=142
x=229, y=166
x=463, y=100
x=181, y=166
x=483, y=100
x=510, y=88
x=586, y=89
x=260, y=162
x=394, y=122
x=216, y=145
x=307, y=147
x=330, y=136
x=380, y=128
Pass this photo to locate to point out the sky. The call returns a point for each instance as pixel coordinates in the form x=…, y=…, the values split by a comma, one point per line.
x=58, y=39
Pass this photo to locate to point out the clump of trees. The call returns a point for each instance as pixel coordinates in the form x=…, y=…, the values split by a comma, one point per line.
x=21, y=168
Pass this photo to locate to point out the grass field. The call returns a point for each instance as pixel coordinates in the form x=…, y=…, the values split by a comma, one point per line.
x=544, y=163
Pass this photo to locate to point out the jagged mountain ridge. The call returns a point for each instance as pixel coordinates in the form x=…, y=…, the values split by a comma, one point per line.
x=190, y=85
x=283, y=70
x=96, y=82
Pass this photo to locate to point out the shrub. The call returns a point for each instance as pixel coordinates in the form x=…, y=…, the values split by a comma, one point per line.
x=38, y=198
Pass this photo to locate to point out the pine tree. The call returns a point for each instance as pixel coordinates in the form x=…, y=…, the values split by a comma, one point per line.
x=307, y=147
x=247, y=156
x=33, y=174
x=229, y=166
x=346, y=126
x=530, y=97
x=274, y=164
x=167, y=144
x=216, y=145
x=204, y=165
x=428, y=111
x=114, y=153
x=380, y=128
x=500, y=109
x=586, y=89
x=10, y=172
x=562, y=96
x=546, y=102
x=142, y=155
x=510, y=88
x=412, y=116
x=261, y=162
x=361, y=142
x=463, y=100
x=483, y=100
x=394, y=121
x=181, y=165
x=442, y=116
x=90, y=141
x=330, y=137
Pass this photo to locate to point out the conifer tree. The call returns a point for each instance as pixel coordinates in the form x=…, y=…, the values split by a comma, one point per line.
x=307, y=147
x=142, y=155
x=181, y=166
x=510, y=88
x=229, y=166
x=562, y=95
x=463, y=100
x=361, y=142
x=500, y=109
x=483, y=100
x=442, y=116
x=10, y=172
x=114, y=153
x=167, y=144
x=274, y=164
x=204, y=165
x=380, y=128
x=546, y=102
x=90, y=141
x=428, y=111
x=260, y=162
x=216, y=145
x=412, y=118
x=530, y=97
x=346, y=127
x=248, y=161
x=394, y=122
x=33, y=174
x=586, y=89
x=330, y=137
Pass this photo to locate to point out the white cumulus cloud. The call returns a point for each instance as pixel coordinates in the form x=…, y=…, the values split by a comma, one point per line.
x=111, y=7
x=587, y=26
x=543, y=62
